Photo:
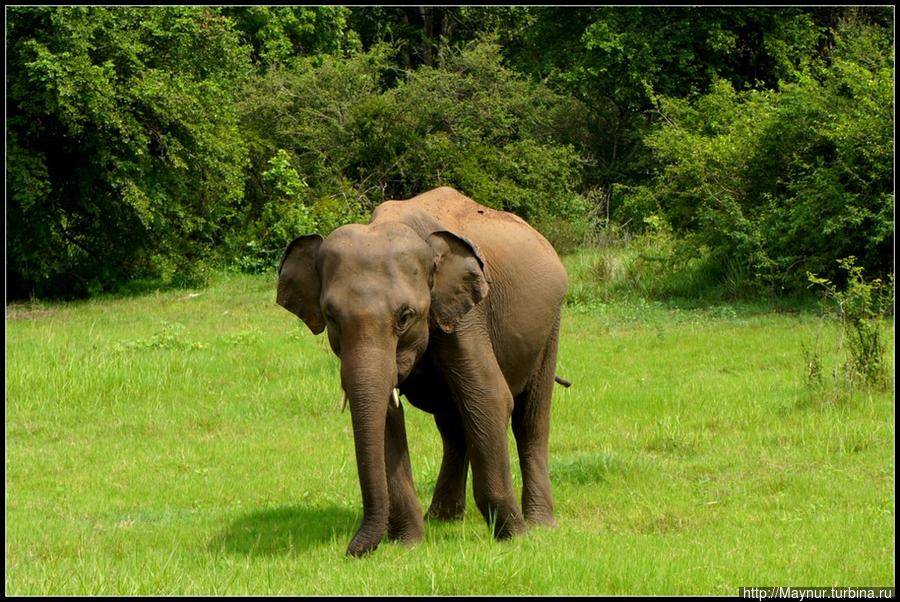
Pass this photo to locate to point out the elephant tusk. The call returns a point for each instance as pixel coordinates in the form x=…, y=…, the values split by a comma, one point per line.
x=395, y=397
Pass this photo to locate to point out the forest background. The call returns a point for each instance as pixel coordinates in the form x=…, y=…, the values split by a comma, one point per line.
x=738, y=149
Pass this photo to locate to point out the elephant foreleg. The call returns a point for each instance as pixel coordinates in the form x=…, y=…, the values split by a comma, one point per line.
x=405, y=522
x=485, y=403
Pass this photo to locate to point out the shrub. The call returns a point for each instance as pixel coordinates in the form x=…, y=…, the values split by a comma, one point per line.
x=784, y=182
x=124, y=156
x=861, y=305
x=333, y=124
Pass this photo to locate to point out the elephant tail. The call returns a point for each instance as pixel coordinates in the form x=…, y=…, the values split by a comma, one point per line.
x=563, y=382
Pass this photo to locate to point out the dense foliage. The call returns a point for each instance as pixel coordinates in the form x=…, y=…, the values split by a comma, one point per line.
x=156, y=142
x=332, y=140
x=124, y=155
x=781, y=182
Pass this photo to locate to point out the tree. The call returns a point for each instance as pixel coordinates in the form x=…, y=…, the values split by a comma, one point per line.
x=277, y=34
x=615, y=60
x=124, y=156
x=785, y=181
x=424, y=34
x=335, y=124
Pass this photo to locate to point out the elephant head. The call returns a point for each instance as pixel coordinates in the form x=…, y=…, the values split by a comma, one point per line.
x=380, y=290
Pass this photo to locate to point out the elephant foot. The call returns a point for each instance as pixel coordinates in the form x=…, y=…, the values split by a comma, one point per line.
x=506, y=527
x=538, y=512
x=409, y=531
x=362, y=545
x=541, y=520
x=367, y=538
x=445, y=511
x=406, y=537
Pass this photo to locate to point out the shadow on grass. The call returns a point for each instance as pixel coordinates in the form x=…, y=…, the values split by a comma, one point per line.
x=286, y=531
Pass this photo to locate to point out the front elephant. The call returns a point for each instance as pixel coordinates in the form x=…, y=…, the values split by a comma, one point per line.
x=458, y=306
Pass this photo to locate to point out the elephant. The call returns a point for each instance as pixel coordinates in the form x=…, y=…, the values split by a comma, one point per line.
x=456, y=307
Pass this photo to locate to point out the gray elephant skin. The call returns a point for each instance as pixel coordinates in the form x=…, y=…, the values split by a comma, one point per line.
x=458, y=306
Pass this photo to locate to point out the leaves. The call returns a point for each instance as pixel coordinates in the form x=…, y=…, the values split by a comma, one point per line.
x=133, y=155
x=153, y=142
x=472, y=123
x=786, y=181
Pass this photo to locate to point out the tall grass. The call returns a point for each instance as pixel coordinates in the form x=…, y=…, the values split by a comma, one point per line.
x=656, y=265
x=189, y=443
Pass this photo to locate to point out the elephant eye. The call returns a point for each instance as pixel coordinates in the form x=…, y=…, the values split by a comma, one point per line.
x=329, y=317
x=404, y=318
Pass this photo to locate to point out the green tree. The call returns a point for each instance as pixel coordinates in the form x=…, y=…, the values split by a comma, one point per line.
x=356, y=140
x=479, y=126
x=615, y=60
x=422, y=35
x=303, y=124
x=124, y=155
x=785, y=181
x=278, y=33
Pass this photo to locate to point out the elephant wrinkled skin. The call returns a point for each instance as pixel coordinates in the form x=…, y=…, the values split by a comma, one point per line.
x=458, y=306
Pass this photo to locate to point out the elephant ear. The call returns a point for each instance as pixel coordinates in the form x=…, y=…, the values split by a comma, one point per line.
x=299, y=285
x=458, y=281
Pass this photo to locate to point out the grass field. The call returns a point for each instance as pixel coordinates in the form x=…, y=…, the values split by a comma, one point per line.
x=189, y=442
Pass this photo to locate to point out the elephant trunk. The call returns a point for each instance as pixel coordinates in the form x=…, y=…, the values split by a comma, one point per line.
x=368, y=379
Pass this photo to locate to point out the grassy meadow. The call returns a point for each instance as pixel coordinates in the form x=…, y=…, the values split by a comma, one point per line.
x=188, y=442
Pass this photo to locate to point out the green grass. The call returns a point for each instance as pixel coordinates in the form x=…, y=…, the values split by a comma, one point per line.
x=190, y=443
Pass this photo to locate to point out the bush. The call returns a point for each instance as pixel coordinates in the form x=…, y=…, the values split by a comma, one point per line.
x=784, y=182
x=124, y=156
x=307, y=122
x=861, y=305
x=489, y=133
x=335, y=125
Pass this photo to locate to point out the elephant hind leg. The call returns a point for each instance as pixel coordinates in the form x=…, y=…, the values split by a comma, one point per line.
x=449, y=500
x=531, y=427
